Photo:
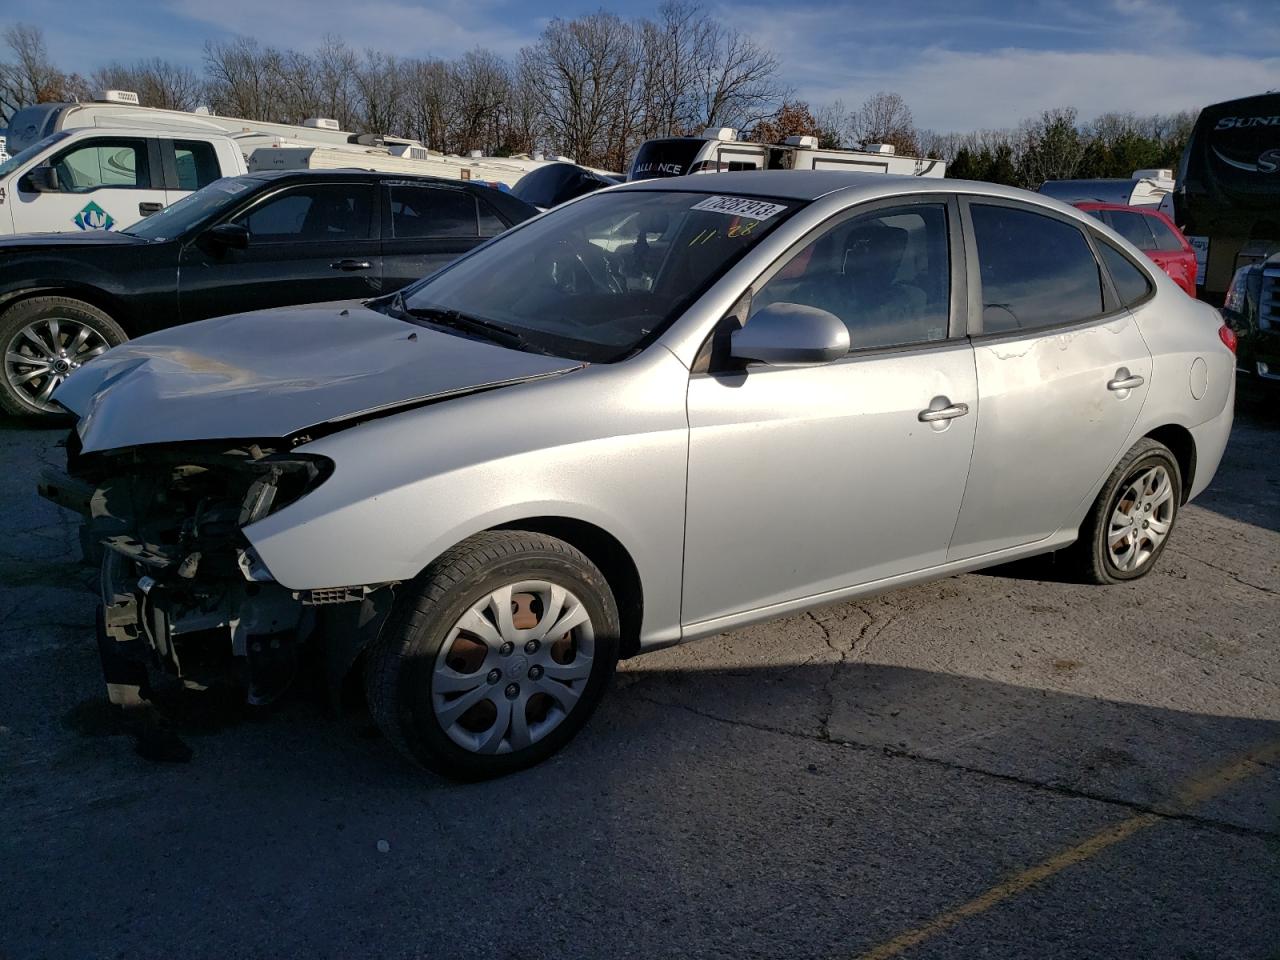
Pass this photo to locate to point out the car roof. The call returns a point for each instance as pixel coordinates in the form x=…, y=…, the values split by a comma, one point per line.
x=352, y=174
x=1099, y=205
x=812, y=184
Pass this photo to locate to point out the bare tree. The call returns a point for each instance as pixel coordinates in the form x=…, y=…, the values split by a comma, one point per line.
x=158, y=83
x=736, y=79
x=28, y=75
x=380, y=87
x=885, y=118
x=586, y=68
x=242, y=79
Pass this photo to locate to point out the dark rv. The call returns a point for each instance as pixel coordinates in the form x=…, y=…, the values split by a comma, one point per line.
x=1228, y=197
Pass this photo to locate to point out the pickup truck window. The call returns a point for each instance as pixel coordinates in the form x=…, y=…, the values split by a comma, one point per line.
x=197, y=164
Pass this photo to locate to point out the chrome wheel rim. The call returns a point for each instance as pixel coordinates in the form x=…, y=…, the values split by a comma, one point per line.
x=44, y=353
x=513, y=667
x=1141, y=519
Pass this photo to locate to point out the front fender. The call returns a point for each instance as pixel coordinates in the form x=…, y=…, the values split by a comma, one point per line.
x=608, y=446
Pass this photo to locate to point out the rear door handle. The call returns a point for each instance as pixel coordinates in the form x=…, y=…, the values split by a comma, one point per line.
x=1123, y=380
x=351, y=265
x=148, y=208
x=944, y=413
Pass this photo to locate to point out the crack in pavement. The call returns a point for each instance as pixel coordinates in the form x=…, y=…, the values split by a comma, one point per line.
x=856, y=649
x=1234, y=576
x=1061, y=790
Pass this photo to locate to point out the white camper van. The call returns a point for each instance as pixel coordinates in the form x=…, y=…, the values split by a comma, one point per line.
x=91, y=178
x=719, y=150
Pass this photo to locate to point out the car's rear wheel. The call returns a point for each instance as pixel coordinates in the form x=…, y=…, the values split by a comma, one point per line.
x=45, y=339
x=495, y=656
x=1130, y=522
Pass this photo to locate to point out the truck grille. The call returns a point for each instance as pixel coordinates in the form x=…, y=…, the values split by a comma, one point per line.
x=1269, y=297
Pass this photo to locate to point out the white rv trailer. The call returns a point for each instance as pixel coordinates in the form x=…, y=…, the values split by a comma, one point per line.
x=119, y=108
x=393, y=157
x=317, y=143
x=719, y=150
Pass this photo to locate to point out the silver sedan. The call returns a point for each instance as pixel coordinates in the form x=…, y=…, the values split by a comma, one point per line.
x=662, y=411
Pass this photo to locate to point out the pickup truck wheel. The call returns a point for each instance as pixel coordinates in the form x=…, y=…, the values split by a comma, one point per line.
x=45, y=339
x=1129, y=524
x=495, y=656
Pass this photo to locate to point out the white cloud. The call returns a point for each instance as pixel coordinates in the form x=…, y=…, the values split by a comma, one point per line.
x=950, y=90
x=444, y=29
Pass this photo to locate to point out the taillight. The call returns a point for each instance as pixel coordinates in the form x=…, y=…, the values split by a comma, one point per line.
x=1228, y=337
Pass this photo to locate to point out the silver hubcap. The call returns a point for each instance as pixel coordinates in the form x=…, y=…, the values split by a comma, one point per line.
x=513, y=667
x=1141, y=519
x=44, y=352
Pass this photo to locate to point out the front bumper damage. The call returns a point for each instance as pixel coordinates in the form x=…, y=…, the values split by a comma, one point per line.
x=182, y=589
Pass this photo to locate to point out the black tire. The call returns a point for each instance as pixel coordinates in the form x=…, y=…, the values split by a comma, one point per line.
x=401, y=664
x=1090, y=556
x=17, y=399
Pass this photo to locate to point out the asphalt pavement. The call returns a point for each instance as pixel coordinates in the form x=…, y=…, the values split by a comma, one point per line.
x=996, y=765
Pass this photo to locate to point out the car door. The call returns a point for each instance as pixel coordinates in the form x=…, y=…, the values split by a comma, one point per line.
x=308, y=242
x=104, y=183
x=1062, y=375
x=430, y=227
x=811, y=479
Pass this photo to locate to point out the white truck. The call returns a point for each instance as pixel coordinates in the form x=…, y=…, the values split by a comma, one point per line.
x=96, y=178
x=719, y=150
x=317, y=143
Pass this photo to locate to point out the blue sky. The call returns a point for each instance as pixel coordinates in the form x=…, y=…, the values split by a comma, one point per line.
x=959, y=65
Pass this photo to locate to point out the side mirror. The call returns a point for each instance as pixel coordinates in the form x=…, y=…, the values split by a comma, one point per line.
x=41, y=180
x=791, y=335
x=226, y=236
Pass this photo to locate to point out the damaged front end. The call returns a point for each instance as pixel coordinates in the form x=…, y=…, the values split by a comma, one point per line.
x=183, y=589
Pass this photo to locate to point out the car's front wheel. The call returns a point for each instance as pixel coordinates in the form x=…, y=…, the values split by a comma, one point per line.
x=45, y=339
x=495, y=656
x=1130, y=522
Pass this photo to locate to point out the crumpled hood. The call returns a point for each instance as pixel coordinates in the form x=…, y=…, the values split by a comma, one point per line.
x=277, y=373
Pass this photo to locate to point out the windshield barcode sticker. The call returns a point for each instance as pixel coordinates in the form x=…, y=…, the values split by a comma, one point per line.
x=740, y=207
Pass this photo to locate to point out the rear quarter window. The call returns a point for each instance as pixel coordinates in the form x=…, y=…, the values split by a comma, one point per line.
x=1130, y=280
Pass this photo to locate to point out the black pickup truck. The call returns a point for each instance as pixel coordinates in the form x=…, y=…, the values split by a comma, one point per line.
x=1252, y=310
x=241, y=243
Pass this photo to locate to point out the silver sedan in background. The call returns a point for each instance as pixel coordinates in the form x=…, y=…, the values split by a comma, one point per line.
x=662, y=411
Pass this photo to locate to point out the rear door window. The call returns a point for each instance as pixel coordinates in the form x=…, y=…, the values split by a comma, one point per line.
x=1037, y=271
x=1166, y=239
x=197, y=164
x=430, y=212
x=1134, y=227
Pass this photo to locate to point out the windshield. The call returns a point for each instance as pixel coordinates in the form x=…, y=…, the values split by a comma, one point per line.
x=602, y=277
x=195, y=208
x=20, y=158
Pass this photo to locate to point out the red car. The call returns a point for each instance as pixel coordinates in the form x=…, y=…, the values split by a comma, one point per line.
x=1154, y=234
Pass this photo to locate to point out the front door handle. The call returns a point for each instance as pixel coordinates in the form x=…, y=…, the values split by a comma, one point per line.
x=351, y=265
x=147, y=209
x=949, y=412
x=1123, y=380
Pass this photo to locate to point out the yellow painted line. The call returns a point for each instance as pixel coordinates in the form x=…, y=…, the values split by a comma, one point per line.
x=1194, y=791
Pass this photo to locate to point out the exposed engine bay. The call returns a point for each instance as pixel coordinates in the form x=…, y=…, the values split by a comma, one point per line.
x=182, y=588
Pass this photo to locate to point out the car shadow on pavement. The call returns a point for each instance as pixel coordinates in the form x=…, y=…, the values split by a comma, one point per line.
x=743, y=809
